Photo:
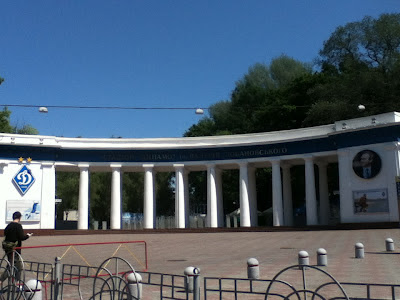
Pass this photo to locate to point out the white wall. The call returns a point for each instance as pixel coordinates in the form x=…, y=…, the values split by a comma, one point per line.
x=41, y=191
x=350, y=182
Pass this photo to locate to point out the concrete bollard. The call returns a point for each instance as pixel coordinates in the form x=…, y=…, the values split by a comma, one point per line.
x=192, y=282
x=135, y=285
x=189, y=282
x=196, y=284
x=389, y=244
x=104, y=225
x=253, y=269
x=359, y=250
x=33, y=290
x=57, y=278
x=95, y=225
x=304, y=259
x=322, y=257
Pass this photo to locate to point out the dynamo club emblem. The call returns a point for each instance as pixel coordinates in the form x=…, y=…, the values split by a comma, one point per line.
x=24, y=179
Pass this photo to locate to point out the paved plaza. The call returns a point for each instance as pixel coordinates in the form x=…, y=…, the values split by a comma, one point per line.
x=224, y=254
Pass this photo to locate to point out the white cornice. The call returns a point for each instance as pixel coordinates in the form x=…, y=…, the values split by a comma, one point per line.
x=199, y=142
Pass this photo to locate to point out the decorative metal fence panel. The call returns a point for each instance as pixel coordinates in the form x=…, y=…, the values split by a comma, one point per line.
x=234, y=288
x=116, y=279
x=372, y=291
x=168, y=286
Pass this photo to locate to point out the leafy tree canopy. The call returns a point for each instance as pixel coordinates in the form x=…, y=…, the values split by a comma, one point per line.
x=359, y=64
x=373, y=42
x=257, y=103
x=6, y=127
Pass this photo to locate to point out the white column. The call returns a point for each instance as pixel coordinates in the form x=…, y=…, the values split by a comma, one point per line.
x=186, y=188
x=311, y=201
x=212, y=208
x=253, y=197
x=154, y=197
x=390, y=158
x=148, y=207
x=48, y=195
x=287, y=195
x=323, y=193
x=83, y=203
x=179, y=197
x=277, y=206
x=220, y=200
x=116, y=200
x=345, y=163
x=244, y=196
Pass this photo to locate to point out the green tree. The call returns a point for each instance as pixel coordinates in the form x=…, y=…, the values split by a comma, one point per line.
x=133, y=191
x=165, y=197
x=5, y=125
x=258, y=102
x=25, y=129
x=360, y=64
x=67, y=189
x=373, y=42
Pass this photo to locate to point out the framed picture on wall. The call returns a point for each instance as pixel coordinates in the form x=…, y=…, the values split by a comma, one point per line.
x=29, y=209
x=370, y=201
x=367, y=164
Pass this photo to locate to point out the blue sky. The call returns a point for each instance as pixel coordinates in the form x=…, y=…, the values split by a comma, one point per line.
x=164, y=53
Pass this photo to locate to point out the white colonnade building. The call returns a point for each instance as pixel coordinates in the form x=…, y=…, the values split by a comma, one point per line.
x=28, y=166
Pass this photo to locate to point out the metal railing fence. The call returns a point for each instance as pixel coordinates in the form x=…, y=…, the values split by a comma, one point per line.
x=170, y=286
x=372, y=291
x=239, y=287
x=113, y=280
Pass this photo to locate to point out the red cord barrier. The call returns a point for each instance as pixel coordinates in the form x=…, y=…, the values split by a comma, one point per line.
x=90, y=244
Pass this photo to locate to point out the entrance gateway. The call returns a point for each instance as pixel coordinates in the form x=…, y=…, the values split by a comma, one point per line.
x=367, y=151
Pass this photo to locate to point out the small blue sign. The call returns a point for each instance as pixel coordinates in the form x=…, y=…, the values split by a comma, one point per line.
x=24, y=179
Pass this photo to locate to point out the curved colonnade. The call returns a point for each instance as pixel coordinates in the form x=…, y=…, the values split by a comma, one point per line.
x=334, y=143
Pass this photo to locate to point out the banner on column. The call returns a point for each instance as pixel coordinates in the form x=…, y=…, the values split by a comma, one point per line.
x=371, y=201
x=30, y=209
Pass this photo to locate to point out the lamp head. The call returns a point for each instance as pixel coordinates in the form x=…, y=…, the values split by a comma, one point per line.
x=361, y=107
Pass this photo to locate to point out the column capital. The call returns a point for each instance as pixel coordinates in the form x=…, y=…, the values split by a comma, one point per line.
x=115, y=166
x=148, y=166
x=286, y=165
x=251, y=168
x=275, y=162
x=178, y=166
x=45, y=164
x=210, y=166
x=243, y=164
x=308, y=157
x=321, y=163
x=83, y=166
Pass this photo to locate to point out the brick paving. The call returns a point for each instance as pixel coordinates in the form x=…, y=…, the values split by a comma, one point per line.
x=224, y=254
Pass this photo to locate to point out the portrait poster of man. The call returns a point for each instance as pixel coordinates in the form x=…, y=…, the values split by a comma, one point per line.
x=370, y=201
x=367, y=164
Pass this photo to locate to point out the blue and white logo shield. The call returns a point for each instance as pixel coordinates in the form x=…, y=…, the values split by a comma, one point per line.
x=24, y=179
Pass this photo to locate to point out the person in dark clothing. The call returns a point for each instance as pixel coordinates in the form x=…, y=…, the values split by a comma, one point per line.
x=14, y=235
